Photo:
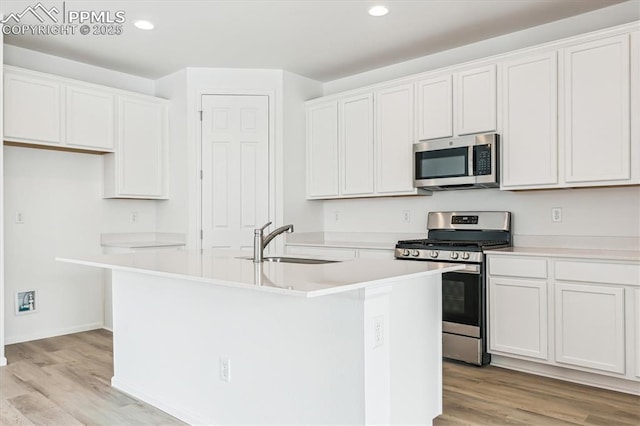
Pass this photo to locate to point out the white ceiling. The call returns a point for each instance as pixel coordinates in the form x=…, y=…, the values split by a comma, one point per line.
x=321, y=39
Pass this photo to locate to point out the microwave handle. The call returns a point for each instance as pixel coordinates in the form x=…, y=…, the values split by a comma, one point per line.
x=470, y=162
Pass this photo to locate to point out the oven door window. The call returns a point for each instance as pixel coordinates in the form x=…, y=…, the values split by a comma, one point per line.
x=442, y=163
x=461, y=298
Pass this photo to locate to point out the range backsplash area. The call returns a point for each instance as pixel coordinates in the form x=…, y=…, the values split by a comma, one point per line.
x=608, y=213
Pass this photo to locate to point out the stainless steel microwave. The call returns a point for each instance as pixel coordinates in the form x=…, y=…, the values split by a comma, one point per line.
x=457, y=163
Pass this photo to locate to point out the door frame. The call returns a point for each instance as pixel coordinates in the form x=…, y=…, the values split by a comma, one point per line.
x=275, y=158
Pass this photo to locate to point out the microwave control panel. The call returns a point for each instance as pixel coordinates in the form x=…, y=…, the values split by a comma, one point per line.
x=482, y=160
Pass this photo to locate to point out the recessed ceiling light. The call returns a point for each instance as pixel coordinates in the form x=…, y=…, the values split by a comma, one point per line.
x=378, y=11
x=143, y=25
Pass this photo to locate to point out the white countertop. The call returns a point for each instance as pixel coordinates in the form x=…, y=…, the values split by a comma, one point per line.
x=223, y=267
x=621, y=255
x=142, y=239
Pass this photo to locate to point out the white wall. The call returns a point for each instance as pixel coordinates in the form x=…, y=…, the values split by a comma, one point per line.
x=59, y=194
x=3, y=360
x=603, y=18
x=602, y=212
x=306, y=215
x=42, y=62
x=183, y=208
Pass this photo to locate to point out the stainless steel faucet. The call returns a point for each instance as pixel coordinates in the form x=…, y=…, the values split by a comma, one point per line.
x=260, y=241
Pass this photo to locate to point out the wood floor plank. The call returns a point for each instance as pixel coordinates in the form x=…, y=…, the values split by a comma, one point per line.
x=66, y=380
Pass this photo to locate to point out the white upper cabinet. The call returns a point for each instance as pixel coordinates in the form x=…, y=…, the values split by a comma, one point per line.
x=466, y=98
x=568, y=116
x=137, y=168
x=530, y=121
x=435, y=107
x=476, y=100
x=356, y=144
x=394, y=136
x=90, y=121
x=597, y=96
x=361, y=145
x=46, y=110
x=33, y=108
x=322, y=150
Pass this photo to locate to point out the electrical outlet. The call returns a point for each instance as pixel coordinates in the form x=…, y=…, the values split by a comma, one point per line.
x=225, y=369
x=19, y=218
x=556, y=214
x=134, y=217
x=336, y=216
x=406, y=216
x=378, y=331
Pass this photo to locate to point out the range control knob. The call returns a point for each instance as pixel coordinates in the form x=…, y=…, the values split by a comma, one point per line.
x=433, y=254
x=454, y=255
x=415, y=253
x=465, y=255
x=405, y=252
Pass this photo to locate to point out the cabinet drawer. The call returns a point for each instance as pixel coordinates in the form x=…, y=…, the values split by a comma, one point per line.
x=611, y=273
x=518, y=267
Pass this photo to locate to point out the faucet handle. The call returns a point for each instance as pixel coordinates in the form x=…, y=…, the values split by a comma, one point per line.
x=259, y=230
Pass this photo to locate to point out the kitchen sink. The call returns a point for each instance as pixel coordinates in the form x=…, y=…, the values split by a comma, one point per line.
x=301, y=260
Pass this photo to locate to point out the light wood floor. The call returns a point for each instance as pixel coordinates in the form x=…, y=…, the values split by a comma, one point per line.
x=66, y=381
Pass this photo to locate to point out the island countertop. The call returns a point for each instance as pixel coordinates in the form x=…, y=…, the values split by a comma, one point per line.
x=231, y=268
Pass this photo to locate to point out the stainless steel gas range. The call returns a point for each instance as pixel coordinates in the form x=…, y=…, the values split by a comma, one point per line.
x=462, y=237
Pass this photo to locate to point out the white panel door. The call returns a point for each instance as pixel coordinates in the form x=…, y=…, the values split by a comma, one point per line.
x=356, y=145
x=235, y=166
x=518, y=317
x=476, y=100
x=322, y=150
x=89, y=118
x=590, y=326
x=530, y=121
x=435, y=108
x=394, y=139
x=32, y=109
x=597, y=126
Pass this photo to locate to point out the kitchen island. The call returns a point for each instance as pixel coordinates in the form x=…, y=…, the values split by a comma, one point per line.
x=212, y=338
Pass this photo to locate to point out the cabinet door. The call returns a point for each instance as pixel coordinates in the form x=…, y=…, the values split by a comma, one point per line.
x=141, y=147
x=89, y=118
x=596, y=90
x=476, y=100
x=590, y=326
x=356, y=145
x=435, y=108
x=530, y=121
x=32, y=109
x=322, y=150
x=637, y=333
x=518, y=316
x=394, y=139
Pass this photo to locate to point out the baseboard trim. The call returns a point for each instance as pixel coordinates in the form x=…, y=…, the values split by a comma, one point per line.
x=3, y=361
x=569, y=375
x=52, y=333
x=158, y=403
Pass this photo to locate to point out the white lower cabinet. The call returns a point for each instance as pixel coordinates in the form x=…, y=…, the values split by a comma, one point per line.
x=590, y=326
x=518, y=316
x=637, y=331
x=566, y=314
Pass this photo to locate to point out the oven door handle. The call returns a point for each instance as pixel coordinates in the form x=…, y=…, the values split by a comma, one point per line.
x=469, y=269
